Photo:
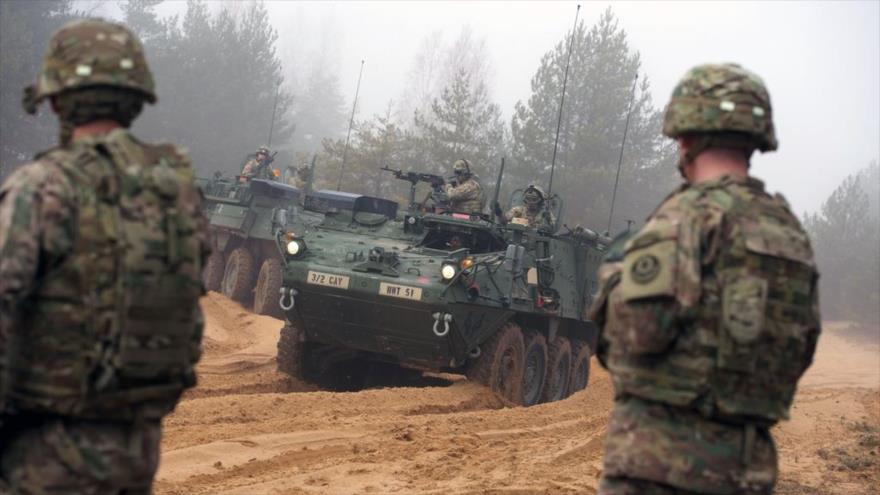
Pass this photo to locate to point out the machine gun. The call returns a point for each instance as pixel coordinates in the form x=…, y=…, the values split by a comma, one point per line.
x=416, y=177
x=436, y=182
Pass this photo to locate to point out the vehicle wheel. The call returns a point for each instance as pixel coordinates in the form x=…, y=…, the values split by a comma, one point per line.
x=267, y=292
x=500, y=366
x=212, y=273
x=238, y=278
x=580, y=366
x=534, y=368
x=292, y=349
x=558, y=370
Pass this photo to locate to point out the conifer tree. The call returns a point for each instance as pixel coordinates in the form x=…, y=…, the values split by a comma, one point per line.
x=600, y=81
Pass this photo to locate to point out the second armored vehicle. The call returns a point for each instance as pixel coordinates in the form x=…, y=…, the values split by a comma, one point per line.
x=244, y=215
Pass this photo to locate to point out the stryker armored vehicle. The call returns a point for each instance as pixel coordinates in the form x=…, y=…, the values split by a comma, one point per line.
x=440, y=291
x=244, y=215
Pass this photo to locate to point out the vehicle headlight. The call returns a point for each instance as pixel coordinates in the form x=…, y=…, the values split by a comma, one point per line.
x=448, y=272
x=294, y=247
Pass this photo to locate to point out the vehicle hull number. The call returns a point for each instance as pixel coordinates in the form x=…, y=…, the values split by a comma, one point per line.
x=400, y=291
x=328, y=280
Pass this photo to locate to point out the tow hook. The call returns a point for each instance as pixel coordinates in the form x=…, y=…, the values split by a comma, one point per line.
x=444, y=318
x=289, y=294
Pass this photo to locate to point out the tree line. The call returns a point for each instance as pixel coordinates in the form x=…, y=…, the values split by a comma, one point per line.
x=846, y=240
x=220, y=82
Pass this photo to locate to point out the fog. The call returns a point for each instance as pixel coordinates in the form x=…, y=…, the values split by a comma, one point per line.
x=820, y=60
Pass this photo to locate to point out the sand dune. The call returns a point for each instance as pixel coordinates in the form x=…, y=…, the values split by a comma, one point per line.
x=247, y=429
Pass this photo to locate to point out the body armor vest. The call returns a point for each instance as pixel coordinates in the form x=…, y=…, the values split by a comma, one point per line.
x=116, y=324
x=717, y=317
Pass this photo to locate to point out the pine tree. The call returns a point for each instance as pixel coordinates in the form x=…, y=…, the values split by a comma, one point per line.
x=463, y=123
x=218, y=78
x=597, y=97
x=25, y=28
x=846, y=240
x=375, y=143
x=319, y=111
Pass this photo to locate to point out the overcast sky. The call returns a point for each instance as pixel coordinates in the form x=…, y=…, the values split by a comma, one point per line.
x=820, y=60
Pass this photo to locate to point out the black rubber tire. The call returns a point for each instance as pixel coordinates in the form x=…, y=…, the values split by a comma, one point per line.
x=267, y=292
x=580, y=366
x=558, y=370
x=292, y=352
x=212, y=273
x=500, y=364
x=238, y=277
x=534, y=368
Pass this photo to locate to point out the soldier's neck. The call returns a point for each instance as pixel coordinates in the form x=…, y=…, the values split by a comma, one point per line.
x=95, y=128
x=715, y=163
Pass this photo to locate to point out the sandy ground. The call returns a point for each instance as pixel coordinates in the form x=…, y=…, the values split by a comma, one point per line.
x=247, y=429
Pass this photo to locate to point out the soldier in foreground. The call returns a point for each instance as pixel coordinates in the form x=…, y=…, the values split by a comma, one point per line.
x=466, y=194
x=101, y=246
x=709, y=314
x=534, y=210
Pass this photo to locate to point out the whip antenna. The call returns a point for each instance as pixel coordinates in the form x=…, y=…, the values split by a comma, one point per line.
x=350, y=124
x=562, y=100
x=272, y=123
x=622, y=145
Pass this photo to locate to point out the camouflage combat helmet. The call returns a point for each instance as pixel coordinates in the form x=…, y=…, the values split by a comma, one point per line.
x=533, y=194
x=263, y=150
x=721, y=98
x=461, y=167
x=88, y=53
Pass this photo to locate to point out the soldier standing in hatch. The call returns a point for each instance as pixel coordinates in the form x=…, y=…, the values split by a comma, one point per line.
x=258, y=166
x=709, y=314
x=297, y=177
x=466, y=195
x=102, y=241
x=534, y=210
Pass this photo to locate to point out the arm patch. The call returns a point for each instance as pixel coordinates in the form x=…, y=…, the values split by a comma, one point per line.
x=650, y=264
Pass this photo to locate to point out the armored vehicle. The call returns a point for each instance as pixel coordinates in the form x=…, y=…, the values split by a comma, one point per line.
x=244, y=215
x=439, y=291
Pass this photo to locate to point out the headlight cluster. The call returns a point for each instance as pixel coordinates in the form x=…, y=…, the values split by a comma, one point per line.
x=295, y=247
x=450, y=269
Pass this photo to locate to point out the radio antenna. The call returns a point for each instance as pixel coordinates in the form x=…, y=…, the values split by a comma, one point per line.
x=620, y=158
x=562, y=100
x=272, y=123
x=350, y=124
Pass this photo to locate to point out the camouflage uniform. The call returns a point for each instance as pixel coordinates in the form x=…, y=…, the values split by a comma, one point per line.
x=101, y=248
x=534, y=211
x=298, y=177
x=709, y=314
x=252, y=167
x=466, y=196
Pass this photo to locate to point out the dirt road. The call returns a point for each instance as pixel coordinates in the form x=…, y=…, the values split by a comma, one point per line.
x=247, y=429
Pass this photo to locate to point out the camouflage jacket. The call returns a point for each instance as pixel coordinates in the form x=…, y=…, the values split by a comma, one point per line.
x=710, y=310
x=252, y=170
x=540, y=218
x=466, y=197
x=52, y=274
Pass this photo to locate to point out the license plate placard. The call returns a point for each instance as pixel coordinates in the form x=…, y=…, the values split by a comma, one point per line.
x=328, y=280
x=400, y=291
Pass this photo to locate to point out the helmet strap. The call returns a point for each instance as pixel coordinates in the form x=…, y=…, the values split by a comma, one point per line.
x=65, y=132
